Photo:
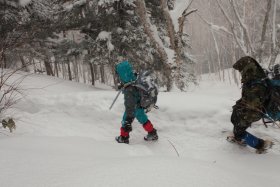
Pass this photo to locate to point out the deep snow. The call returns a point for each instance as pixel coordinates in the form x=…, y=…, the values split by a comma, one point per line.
x=65, y=137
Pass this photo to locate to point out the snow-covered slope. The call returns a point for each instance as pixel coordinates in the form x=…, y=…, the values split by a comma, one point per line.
x=65, y=137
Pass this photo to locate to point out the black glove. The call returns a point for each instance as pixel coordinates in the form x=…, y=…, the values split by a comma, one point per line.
x=120, y=86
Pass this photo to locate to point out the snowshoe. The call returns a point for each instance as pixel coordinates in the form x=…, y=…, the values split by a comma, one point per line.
x=232, y=139
x=266, y=145
x=151, y=136
x=122, y=139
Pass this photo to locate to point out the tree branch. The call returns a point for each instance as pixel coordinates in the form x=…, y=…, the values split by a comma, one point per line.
x=214, y=26
x=241, y=46
x=244, y=28
x=264, y=29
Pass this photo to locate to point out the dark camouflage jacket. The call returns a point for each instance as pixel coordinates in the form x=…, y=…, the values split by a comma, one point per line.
x=254, y=92
x=253, y=89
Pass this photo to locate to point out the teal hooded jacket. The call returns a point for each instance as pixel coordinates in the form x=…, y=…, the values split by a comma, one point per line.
x=126, y=75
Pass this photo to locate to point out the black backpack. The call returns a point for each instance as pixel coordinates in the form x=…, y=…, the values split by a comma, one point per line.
x=146, y=84
x=272, y=104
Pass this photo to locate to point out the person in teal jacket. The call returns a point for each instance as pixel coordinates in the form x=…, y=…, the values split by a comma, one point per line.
x=133, y=109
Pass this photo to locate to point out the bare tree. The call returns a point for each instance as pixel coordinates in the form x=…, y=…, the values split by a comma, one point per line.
x=264, y=28
x=10, y=93
x=275, y=37
x=235, y=28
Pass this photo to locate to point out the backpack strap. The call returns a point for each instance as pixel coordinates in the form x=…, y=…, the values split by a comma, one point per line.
x=255, y=82
x=123, y=86
x=140, y=87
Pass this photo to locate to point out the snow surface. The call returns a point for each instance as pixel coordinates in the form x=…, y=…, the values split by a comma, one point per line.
x=65, y=137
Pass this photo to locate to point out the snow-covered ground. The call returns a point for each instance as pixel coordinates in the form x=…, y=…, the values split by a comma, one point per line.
x=65, y=137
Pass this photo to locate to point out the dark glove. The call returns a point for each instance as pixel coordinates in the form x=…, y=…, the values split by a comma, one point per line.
x=120, y=86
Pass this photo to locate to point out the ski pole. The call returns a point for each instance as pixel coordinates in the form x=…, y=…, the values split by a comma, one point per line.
x=115, y=99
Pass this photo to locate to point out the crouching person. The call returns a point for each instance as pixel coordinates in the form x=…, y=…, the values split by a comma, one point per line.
x=250, y=107
x=133, y=109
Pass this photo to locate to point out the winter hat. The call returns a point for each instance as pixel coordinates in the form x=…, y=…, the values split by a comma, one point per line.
x=125, y=72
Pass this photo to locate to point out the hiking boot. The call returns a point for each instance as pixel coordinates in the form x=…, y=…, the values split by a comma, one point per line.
x=122, y=139
x=151, y=136
x=267, y=144
x=240, y=142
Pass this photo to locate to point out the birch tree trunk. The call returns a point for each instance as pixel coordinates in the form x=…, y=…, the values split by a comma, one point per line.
x=76, y=70
x=84, y=70
x=218, y=55
x=275, y=44
x=248, y=44
x=69, y=70
x=64, y=71
x=24, y=66
x=233, y=29
x=48, y=67
x=92, y=74
x=265, y=22
x=56, y=68
x=102, y=73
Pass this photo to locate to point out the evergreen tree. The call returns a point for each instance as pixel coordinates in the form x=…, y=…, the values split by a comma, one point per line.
x=116, y=33
x=108, y=31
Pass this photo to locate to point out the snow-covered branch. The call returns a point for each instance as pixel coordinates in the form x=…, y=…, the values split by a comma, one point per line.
x=214, y=26
x=147, y=27
x=244, y=28
x=230, y=22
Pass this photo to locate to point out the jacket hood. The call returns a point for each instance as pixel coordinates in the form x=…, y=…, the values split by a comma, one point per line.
x=125, y=72
x=250, y=69
x=243, y=62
